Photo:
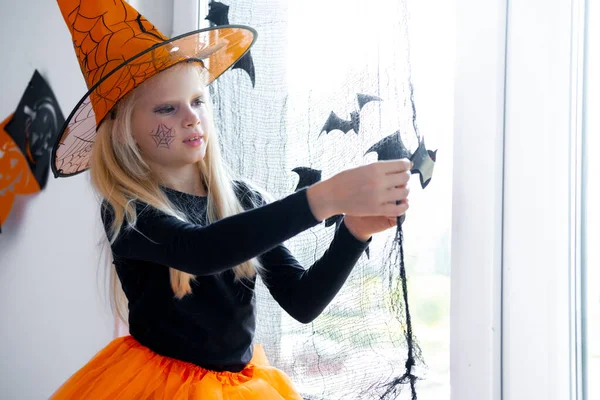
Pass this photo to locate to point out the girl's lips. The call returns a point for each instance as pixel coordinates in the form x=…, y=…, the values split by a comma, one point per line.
x=194, y=139
x=194, y=142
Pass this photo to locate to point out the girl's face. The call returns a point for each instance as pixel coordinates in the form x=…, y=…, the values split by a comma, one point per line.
x=170, y=118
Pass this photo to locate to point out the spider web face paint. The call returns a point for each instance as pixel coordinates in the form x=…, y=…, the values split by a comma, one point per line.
x=163, y=136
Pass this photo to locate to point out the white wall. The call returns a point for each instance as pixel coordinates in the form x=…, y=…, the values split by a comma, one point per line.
x=53, y=312
x=159, y=12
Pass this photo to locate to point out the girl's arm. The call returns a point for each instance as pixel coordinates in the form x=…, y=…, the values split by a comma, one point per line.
x=205, y=250
x=304, y=293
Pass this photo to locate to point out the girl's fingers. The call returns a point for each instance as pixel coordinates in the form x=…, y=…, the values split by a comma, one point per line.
x=395, y=194
x=394, y=166
x=398, y=179
x=395, y=210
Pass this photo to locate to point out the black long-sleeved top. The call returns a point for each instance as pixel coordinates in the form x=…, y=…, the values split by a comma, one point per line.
x=214, y=326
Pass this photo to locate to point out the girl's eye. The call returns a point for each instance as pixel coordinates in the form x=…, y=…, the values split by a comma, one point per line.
x=198, y=101
x=164, y=109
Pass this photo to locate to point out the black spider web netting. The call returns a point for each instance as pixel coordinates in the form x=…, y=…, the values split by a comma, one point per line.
x=318, y=64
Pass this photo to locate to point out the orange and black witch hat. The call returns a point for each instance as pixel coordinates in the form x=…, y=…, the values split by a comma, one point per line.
x=118, y=49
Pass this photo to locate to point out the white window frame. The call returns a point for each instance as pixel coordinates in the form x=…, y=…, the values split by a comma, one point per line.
x=477, y=201
x=516, y=196
x=542, y=231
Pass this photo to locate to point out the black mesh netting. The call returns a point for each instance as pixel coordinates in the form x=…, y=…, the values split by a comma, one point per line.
x=314, y=58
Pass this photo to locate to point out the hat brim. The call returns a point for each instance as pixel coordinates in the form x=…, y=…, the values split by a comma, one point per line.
x=218, y=48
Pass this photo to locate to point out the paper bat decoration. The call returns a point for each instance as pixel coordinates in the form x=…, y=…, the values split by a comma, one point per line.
x=35, y=125
x=218, y=14
x=424, y=161
x=363, y=99
x=353, y=124
x=309, y=176
x=392, y=148
x=15, y=175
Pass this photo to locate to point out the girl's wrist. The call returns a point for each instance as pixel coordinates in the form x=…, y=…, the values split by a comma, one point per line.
x=321, y=201
x=363, y=237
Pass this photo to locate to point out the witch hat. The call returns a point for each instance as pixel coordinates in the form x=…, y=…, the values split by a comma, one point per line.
x=118, y=49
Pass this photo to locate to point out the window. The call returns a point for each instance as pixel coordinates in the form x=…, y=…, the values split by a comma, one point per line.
x=331, y=64
x=339, y=51
x=590, y=285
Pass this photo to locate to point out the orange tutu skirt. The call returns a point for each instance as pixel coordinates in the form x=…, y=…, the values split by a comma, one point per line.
x=126, y=370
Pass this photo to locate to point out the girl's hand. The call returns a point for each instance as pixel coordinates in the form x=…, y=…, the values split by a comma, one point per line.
x=367, y=191
x=363, y=228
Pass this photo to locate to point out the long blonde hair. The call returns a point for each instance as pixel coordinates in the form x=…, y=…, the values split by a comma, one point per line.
x=121, y=177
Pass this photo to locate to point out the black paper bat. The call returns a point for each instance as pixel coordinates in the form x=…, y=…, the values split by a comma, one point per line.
x=392, y=148
x=218, y=14
x=35, y=125
x=353, y=124
x=424, y=162
x=309, y=176
x=363, y=99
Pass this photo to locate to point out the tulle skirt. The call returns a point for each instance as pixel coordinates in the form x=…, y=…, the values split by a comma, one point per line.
x=126, y=370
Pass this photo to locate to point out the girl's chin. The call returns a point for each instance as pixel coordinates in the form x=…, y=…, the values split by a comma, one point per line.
x=188, y=156
x=196, y=157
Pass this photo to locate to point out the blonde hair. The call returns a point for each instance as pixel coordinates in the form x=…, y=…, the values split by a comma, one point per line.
x=121, y=177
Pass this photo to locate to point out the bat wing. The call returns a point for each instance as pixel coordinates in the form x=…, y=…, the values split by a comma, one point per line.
x=355, y=120
x=308, y=176
x=218, y=13
x=432, y=154
x=336, y=219
x=390, y=148
x=423, y=163
x=363, y=99
x=336, y=123
x=247, y=64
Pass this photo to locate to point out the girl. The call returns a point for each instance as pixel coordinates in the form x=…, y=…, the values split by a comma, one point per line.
x=188, y=242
